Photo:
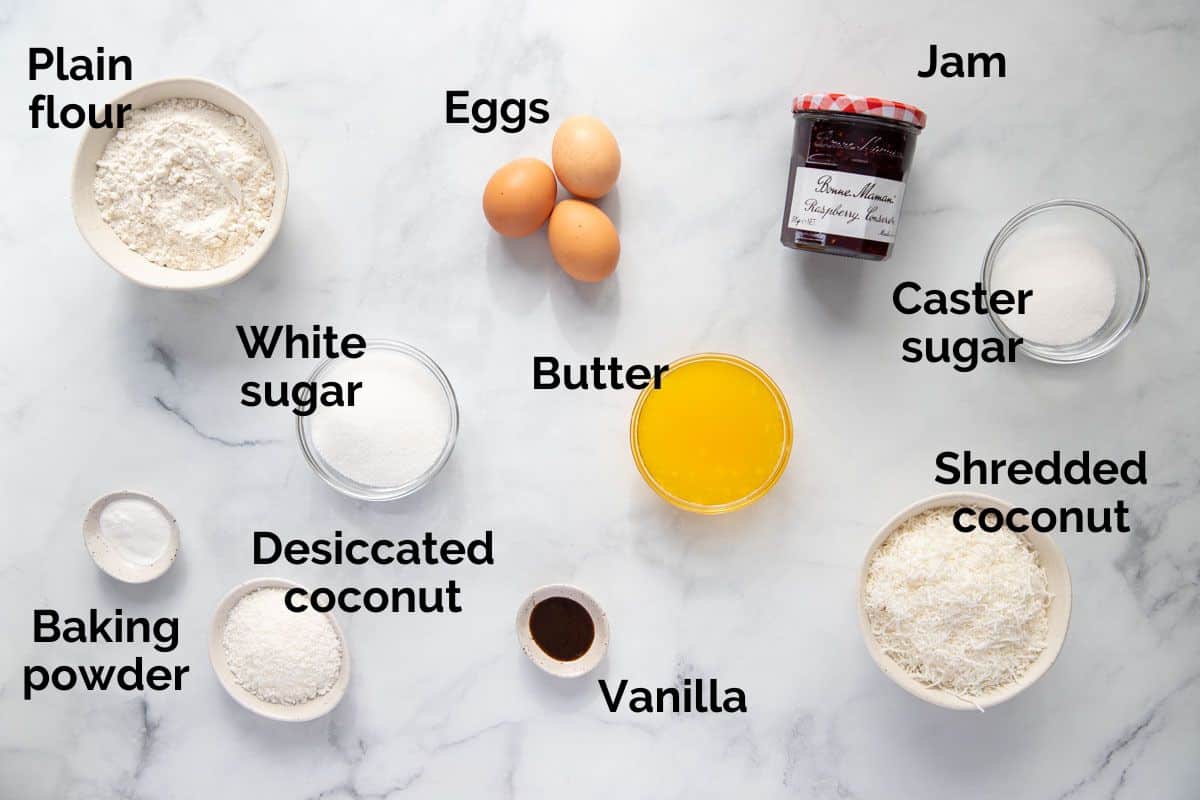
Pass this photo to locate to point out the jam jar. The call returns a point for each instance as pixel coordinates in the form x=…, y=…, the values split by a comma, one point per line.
x=850, y=156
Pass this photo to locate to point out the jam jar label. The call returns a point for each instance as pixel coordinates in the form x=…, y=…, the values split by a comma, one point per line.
x=845, y=204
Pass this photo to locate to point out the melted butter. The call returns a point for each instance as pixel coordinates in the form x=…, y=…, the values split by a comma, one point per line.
x=716, y=435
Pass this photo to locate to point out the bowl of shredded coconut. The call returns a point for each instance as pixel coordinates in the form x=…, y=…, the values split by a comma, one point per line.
x=963, y=620
x=278, y=662
x=188, y=194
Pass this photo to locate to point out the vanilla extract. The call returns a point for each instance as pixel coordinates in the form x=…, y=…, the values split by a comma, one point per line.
x=562, y=628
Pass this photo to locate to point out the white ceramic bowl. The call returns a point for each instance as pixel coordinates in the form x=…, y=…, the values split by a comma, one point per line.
x=301, y=712
x=115, y=252
x=112, y=562
x=563, y=669
x=1059, y=579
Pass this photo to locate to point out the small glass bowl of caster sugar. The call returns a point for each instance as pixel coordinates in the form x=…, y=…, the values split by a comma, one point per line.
x=1081, y=277
x=396, y=435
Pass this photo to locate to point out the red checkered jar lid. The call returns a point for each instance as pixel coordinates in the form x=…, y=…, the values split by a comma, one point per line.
x=858, y=104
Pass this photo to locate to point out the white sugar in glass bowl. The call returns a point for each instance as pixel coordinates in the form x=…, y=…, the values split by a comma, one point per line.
x=431, y=378
x=101, y=238
x=1107, y=238
x=1058, y=579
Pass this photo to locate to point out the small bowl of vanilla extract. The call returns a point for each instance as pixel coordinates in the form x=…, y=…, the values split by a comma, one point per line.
x=563, y=630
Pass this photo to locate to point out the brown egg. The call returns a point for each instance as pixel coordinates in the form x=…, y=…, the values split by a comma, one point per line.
x=586, y=157
x=583, y=240
x=519, y=197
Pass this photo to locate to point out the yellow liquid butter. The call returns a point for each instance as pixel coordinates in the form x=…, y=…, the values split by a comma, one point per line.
x=715, y=437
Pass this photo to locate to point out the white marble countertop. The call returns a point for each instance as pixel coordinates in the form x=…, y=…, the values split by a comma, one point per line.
x=107, y=385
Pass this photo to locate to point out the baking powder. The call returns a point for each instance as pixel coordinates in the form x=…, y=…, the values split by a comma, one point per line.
x=136, y=528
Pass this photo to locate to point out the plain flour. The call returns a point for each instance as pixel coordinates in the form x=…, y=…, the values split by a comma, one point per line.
x=186, y=184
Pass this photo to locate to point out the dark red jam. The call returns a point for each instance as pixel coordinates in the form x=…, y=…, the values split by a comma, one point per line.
x=846, y=182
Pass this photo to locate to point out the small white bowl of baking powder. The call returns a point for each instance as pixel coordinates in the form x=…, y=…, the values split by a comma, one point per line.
x=131, y=536
x=230, y=236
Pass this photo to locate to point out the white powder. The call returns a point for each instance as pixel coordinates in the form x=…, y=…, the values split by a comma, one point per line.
x=396, y=429
x=186, y=184
x=964, y=612
x=1073, y=282
x=136, y=528
x=280, y=656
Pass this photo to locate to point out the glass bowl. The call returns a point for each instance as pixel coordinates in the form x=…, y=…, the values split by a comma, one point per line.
x=1113, y=238
x=754, y=495
x=362, y=491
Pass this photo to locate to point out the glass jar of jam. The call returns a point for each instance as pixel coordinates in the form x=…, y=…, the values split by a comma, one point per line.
x=850, y=156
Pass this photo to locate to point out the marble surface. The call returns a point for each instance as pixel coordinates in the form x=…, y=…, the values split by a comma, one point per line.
x=107, y=385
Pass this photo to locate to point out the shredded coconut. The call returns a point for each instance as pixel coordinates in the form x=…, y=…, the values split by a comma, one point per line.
x=278, y=655
x=186, y=184
x=963, y=612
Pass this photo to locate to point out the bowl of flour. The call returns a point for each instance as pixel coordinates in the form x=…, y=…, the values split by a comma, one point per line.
x=189, y=194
